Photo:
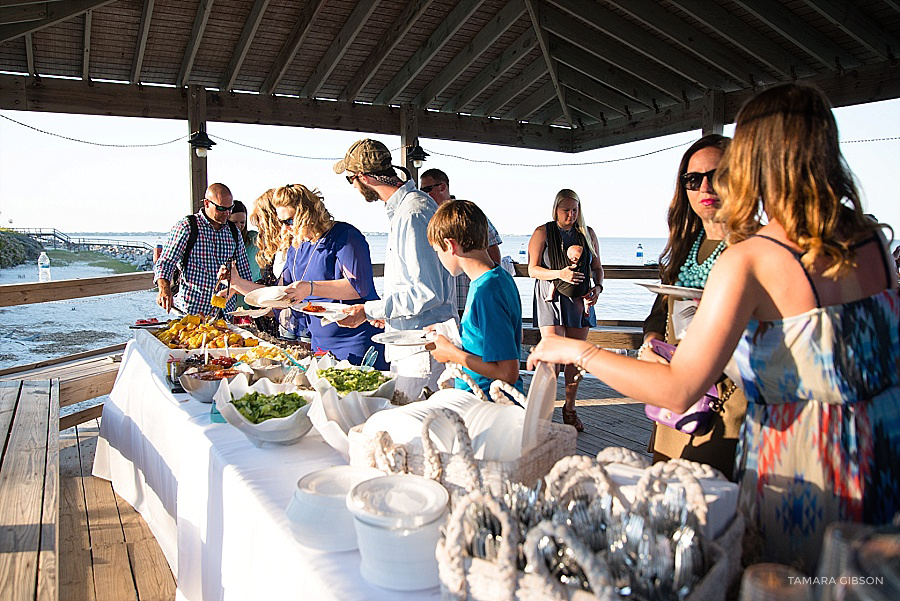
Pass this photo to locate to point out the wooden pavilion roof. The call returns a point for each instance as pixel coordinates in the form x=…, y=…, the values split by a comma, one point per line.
x=566, y=75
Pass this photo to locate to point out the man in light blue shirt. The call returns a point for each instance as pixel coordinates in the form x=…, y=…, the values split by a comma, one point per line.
x=417, y=290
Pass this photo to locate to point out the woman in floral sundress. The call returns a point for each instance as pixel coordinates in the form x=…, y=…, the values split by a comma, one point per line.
x=807, y=302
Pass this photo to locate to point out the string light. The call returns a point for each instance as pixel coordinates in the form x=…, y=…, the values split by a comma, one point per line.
x=432, y=152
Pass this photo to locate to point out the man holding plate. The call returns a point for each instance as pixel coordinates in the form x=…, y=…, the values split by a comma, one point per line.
x=417, y=290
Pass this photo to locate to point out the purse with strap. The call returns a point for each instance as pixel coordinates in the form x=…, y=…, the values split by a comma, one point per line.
x=697, y=419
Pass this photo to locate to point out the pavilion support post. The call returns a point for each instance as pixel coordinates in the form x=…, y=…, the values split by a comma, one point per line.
x=409, y=133
x=196, y=122
x=714, y=112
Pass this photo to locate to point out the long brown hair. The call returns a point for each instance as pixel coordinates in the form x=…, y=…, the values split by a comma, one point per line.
x=264, y=217
x=684, y=224
x=787, y=161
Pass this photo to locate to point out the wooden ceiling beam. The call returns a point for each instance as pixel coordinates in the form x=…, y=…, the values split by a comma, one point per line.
x=644, y=43
x=747, y=38
x=29, y=54
x=197, y=30
x=515, y=86
x=296, y=38
x=448, y=27
x=850, y=19
x=534, y=101
x=693, y=40
x=8, y=3
x=592, y=42
x=552, y=112
x=23, y=14
x=141, y=46
x=86, y=47
x=587, y=105
x=18, y=92
x=544, y=42
x=251, y=25
x=482, y=41
x=53, y=12
x=609, y=75
x=338, y=48
x=868, y=83
x=500, y=65
x=385, y=46
x=791, y=27
x=617, y=103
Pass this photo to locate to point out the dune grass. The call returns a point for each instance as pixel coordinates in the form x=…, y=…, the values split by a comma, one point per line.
x=89, y=257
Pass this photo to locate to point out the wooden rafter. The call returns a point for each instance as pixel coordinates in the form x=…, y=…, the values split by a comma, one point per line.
x=781, y=19
x=141, y=45
x=23, y=14
x=609, y=75
x=587, y=105
x=86, y=47
x=339, y=46
x=8, y=3
x=54, y=12
x=544, y=42
x=391, y=38
x=530, y=74
x=29, y=54
x=692, y=39
x=553, y=111
x=447, y=28
x=534, y=101
x=298, y=34
x=618, y=104
x=500, y=65
x=858, y=26
x=485, y=38
x=243, y=45
x=197, y=30
x=650, y=46
x=637, y=65
x=751, y=41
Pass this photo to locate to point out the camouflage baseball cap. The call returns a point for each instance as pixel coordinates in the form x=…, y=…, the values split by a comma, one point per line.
x=365, y=156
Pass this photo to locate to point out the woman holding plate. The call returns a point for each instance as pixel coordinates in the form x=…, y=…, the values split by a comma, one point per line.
x=696, y=239
x=327, y=261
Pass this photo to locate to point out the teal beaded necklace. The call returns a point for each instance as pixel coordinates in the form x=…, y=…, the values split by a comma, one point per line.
x=693, y=274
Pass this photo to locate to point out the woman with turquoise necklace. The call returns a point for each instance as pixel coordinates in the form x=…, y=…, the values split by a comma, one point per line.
x=696, y=239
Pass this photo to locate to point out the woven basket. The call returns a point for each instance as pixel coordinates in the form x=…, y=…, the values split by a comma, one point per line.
x=464, y=578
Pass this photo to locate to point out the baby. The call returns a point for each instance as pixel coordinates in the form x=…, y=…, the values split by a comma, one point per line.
x=574, y=253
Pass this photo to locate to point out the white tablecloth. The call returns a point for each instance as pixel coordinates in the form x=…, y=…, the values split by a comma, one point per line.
x=214, y=501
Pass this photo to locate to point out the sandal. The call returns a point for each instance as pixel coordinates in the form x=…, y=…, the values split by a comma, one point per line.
x=571, y=418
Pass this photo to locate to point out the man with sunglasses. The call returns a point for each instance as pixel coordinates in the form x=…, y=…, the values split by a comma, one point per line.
x=197, y=246
x=417, y=289
x=436, y=184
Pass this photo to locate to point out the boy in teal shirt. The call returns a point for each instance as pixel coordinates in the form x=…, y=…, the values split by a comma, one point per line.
x=491, y=327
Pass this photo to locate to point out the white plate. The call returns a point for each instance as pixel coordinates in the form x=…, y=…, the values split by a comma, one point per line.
x=676, y=291
x=401, y=338
x=249, y=312
x=273, y=297
x=333, y=311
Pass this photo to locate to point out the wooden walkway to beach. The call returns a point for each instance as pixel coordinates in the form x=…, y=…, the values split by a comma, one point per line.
x=107, y=552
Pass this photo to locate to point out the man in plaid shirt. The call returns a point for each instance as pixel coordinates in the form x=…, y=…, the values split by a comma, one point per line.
x=214, y=246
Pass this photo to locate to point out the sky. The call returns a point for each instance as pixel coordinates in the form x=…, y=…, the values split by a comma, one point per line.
x=51, y=182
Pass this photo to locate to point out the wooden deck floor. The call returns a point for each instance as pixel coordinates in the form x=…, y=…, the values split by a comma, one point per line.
x=107, y=552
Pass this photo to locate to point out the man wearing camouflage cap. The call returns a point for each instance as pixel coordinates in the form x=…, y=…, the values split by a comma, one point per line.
x=417, y=289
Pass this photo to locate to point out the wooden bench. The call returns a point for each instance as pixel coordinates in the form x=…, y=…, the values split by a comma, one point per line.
x=29, y=489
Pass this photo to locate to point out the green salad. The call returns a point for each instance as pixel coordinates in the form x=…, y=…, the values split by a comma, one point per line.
x=258, y=407
x=348, y=380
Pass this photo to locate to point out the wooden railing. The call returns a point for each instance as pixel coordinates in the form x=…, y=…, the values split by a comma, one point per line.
x=88, y=375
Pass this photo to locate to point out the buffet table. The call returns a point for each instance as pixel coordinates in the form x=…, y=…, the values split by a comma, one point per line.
x=214, y=502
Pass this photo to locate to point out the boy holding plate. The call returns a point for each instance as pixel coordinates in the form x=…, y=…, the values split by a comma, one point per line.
x=491, y=327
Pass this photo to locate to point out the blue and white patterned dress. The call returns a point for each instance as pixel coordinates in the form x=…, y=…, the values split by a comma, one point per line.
x=821, y=438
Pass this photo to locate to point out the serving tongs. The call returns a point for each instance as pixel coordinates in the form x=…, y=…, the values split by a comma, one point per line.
x=220, y=302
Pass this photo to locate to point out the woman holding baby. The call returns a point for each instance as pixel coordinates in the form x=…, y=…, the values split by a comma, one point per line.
x=563, y=255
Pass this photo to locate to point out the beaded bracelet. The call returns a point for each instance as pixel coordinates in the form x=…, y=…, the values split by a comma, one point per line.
x=584, y=356
x=643, y=348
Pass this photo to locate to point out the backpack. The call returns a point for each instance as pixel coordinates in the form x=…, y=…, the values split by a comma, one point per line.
x=175, y=283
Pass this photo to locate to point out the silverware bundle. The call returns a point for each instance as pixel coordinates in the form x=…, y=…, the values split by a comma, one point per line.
x=654, y=553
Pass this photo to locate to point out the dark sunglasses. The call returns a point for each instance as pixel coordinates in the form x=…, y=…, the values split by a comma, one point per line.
x=220, y=207
x=693, y=180
x=288, y=221
x=428, y=189
x=350, y=178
